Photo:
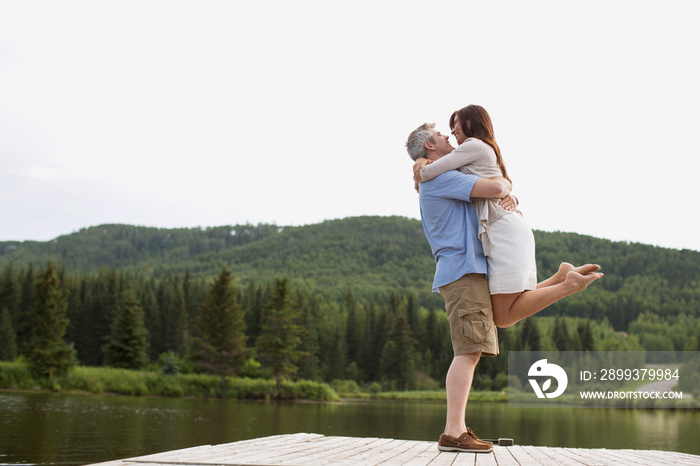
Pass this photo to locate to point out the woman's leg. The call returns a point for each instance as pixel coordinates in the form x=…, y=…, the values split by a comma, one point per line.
x=509, y=309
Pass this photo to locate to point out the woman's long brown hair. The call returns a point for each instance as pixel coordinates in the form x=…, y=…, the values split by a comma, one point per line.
x=476, y=123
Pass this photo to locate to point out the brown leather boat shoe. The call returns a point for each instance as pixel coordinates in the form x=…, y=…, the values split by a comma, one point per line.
x=467, y=442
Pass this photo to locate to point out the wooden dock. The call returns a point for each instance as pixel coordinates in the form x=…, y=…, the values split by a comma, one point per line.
x=315, y=449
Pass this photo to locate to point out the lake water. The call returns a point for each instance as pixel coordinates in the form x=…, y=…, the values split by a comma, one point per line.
x=38, y=428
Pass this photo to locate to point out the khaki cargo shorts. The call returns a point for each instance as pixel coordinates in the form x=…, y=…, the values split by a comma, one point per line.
x=468, y=306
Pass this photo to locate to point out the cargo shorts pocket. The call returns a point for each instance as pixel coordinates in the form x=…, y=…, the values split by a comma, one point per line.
x=474, y=325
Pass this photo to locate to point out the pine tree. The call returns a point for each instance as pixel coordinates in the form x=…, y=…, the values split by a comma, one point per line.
x=412, y=317
x=353, y=326
x=253, y=304
x=173, y=312
x=104, y=294
x=128, y=341
x=220, y=343
x=189, y=295
x=9, y=294
x=398, y=354
x=310, y=363
x=27, y=303
x=529, y=336
x=335, y=361
x=149, y=303
x=8, y=340
x=585, y=336
x=280, y=335
x=560, y=335
x=379, y=325
x=431, y=344
x=48, y=353
x=78, y=331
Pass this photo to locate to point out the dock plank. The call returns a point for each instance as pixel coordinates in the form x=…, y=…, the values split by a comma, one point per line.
x=304, y=449
x=570, y=454
x=414, y=452
x=254, y=453
x=425, y=457
x=342, y=452
x=378, y=455
x=310, y=451
x=481, y=459
x=522, y=456
x=503, y=456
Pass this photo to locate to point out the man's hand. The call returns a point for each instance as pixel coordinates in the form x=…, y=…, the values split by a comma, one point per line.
x=509, y=203
x=417, y=167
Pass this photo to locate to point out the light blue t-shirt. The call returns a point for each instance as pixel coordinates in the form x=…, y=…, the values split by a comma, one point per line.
x=451, y=225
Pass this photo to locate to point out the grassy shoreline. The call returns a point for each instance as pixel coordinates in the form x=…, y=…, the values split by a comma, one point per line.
x=106, y=380
x=15, y=376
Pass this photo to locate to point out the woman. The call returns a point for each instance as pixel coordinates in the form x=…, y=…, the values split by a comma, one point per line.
x=508, y=242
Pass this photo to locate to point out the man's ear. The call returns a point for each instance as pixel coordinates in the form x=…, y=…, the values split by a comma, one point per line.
x=429, y=145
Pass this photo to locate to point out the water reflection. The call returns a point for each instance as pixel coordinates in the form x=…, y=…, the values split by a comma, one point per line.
x=80, y=429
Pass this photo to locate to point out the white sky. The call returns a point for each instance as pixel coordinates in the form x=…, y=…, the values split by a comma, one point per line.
x=206, y=113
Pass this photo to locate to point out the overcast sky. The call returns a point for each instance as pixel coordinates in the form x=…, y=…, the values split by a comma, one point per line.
x=207, y=113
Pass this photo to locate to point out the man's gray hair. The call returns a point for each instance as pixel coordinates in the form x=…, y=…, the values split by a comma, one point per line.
x=417, y=139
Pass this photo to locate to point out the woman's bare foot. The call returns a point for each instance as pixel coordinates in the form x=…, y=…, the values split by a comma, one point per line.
x=587, y=268
x=565, y=268
x=579, y=282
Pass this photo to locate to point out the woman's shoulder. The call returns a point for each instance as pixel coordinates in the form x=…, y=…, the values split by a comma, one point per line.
x=474, y=146
x=475, y=143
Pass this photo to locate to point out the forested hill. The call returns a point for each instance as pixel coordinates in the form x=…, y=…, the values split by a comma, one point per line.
x=375, y=252
x=372, y=255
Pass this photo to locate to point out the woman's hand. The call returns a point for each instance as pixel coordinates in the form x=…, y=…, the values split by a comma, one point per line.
x=418, y=167
x=509, y=203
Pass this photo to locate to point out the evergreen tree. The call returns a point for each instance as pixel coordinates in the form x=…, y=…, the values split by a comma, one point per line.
x=9, y=295
x=585, y=336
x=220, y=342
x=128, y=341
x=560, y=335
x=105, y=291
x=354, y=325
x=79, y=332
x=529, y=336
x=8, y=341
x=379, y=325
x=253, y=302
x=398, y=355
x=190, y=294
x=173, y=312
x=280, y=335
x=48, y=353
x=413, y=318
x=335, y=361
x=149, y=303
x=431, y=345
x=310, y=363
x=27, y=303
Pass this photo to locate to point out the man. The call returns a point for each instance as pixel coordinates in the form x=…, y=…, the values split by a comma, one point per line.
x=450, y=223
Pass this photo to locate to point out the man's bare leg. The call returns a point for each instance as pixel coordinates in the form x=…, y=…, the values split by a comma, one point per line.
x=458, y=383
x=509, y=309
